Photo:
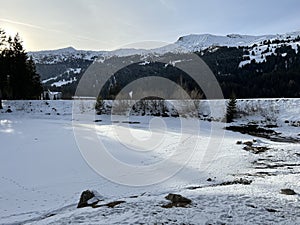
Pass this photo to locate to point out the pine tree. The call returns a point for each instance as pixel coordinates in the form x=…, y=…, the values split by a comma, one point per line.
x=34, y=89
x=231, y=109
x=2, y=38
x=18, y=76
x=99, y=105
x=2, y=45
x=1, y=107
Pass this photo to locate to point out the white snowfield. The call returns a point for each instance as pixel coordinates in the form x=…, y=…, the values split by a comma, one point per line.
x=43, y=172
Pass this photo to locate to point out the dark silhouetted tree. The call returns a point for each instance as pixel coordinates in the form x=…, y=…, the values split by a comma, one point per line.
x=231, y=109
x=18, y=76
x=99, y=105
x=1, y=107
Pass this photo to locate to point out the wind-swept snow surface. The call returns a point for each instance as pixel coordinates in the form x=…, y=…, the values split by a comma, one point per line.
x=42, y=171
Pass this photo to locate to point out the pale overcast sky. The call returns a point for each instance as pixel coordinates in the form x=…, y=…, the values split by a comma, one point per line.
x=110, y=24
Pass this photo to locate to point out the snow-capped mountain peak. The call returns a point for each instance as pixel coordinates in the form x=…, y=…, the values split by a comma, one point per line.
x=188, y=43
x=196, y=42
x=66, y=50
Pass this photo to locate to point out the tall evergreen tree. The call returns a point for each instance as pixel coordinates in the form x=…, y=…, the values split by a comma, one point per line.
x=231, y=109
x=18, y=76
x=2, y=44
x=1, y=107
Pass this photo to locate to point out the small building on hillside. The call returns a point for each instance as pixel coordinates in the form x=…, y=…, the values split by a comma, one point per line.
x=51, y=95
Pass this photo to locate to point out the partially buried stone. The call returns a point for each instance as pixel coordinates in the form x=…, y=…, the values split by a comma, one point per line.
x=248, y=143
x=84, y=199
x=288, y=192
x=177, y=201
x=177, y=198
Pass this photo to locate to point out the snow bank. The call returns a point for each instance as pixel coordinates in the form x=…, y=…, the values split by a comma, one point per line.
x=274, y=110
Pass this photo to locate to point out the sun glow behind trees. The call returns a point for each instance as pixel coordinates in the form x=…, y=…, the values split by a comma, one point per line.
x=18, y=77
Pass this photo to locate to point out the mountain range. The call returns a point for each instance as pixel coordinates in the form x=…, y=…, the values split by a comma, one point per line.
x=244, y=54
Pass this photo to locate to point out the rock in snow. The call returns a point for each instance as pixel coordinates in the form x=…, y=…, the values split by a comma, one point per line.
x=288, y=192
x=177, y=201
x=87, y=198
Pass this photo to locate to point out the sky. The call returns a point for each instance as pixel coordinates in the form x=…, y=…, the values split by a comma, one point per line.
x=113, y=24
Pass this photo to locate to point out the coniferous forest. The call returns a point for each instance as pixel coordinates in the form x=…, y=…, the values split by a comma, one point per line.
x=18, y=76
x=277, y=76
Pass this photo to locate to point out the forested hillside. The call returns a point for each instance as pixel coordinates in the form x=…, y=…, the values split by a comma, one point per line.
x=269, y=68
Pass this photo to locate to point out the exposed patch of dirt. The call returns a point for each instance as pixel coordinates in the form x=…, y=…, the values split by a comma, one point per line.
x=226, y=183
x=131, y=122
x=250, y=146
x=50, y=215
x=257, y=131
x=256, y=150
x=271, y=210
x=251, y=129
x=275, y=166
x=115, y=203
x=110, y=204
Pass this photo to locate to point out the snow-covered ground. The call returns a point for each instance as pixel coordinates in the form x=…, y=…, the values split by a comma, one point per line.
x=43, y=172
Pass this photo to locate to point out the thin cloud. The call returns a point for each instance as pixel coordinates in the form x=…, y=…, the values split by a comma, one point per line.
x=21, y=23
x=29, y=25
